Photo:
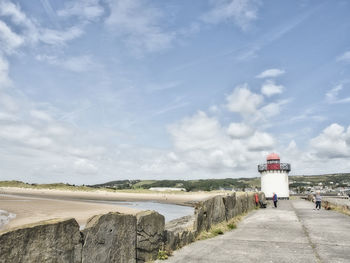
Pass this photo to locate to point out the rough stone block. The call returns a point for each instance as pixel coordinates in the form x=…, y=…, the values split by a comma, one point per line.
x=110, y=238
x=209, y=212
x=203, y=213
x=230, y=203
x=150, y=230
x=56, y=240
x=250, y=201
x=179, y=232
x=239, y=204
x=218, y=213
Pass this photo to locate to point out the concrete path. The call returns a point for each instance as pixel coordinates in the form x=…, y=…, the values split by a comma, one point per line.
x=293, y=232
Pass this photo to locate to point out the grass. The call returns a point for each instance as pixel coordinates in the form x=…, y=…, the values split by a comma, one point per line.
x=338, y=208
x=163, y=254
x=140, y=184
x=58, y=186
x=221, y=228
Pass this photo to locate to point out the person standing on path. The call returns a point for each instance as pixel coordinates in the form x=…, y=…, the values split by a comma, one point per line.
x=275, y=199
x=318, y=199
x=256, y=196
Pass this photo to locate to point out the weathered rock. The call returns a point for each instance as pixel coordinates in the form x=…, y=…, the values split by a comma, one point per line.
x=179, y=232
x=56, y=240
x=218, y=214
x=110, y=238
x=209, y=212
x=150, y=230
x=230, y=203
x=250, y=201
x=238, y=209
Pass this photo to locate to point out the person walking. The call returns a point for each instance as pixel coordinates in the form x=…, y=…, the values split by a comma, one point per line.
x=275, y=199
x=256, y=196
x=318, y=199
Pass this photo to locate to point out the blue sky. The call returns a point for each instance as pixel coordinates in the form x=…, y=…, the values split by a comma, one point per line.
x=99, y=90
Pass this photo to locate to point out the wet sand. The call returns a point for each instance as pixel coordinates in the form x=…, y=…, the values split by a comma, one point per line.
x=32, y=209
x=181, y=198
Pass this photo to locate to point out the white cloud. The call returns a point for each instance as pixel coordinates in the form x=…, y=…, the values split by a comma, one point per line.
x=140, y=25
x=30, y=31
x=41, y=115
x=202, y=144
x=76, y=63
x=214, y=109
x=270, y=73
x=4, y=116
x=332, y=95
x=269, y=88
x=333, y=142
x=345, y=57
x=239, y=130
x=270, y=110
x=60, y=37
x=84, y=166
x=197, y=132
x=8, y=103
x=261, y=141
x=241, y=12
x=84, y=9
x=4, y=77
x=243, y=101
x=9, y=40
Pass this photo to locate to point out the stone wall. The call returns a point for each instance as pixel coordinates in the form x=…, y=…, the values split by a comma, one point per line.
x=54, y=240
x=116, y=237
x=214, y=210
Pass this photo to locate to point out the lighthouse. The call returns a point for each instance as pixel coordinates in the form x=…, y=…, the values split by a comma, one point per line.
x=274, y=177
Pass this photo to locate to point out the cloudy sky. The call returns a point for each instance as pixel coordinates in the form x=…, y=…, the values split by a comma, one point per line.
x=99, y=90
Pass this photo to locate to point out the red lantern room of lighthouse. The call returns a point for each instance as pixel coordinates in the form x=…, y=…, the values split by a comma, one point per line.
x=273, y=162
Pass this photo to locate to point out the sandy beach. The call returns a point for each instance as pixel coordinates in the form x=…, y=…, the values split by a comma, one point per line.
x=33, y=205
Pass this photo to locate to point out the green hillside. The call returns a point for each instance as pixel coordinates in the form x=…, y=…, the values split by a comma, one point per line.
x=296, y=182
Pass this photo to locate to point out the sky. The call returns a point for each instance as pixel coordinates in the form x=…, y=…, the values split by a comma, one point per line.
x=100, y=90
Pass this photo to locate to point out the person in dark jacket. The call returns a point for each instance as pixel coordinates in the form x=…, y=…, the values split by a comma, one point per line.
x=275, y=199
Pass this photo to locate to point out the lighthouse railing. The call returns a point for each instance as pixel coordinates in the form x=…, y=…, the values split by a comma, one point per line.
x=283, y=167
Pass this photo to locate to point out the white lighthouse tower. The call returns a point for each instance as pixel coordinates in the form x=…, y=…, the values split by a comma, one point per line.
x=274, y=177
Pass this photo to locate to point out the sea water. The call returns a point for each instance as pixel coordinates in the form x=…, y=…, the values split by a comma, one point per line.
x=5, y=217
x=169, y=211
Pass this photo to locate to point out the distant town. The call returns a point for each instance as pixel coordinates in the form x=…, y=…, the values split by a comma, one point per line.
x=330, y=184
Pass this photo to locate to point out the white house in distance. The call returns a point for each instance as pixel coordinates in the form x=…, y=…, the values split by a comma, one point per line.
x=274, y=177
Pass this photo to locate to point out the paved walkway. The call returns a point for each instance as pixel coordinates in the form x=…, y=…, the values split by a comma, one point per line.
x=293, y=232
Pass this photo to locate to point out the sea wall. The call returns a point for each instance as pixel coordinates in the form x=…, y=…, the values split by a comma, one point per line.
x=116, y=237
x=212, y=211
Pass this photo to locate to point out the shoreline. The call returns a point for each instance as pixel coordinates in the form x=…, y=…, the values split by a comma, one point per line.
x=183, y=198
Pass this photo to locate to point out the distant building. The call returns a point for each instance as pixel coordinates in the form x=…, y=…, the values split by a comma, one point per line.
x=163, y=189
x=274, y=177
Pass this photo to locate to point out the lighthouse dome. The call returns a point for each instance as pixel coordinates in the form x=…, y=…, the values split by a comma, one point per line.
x=272, y=156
